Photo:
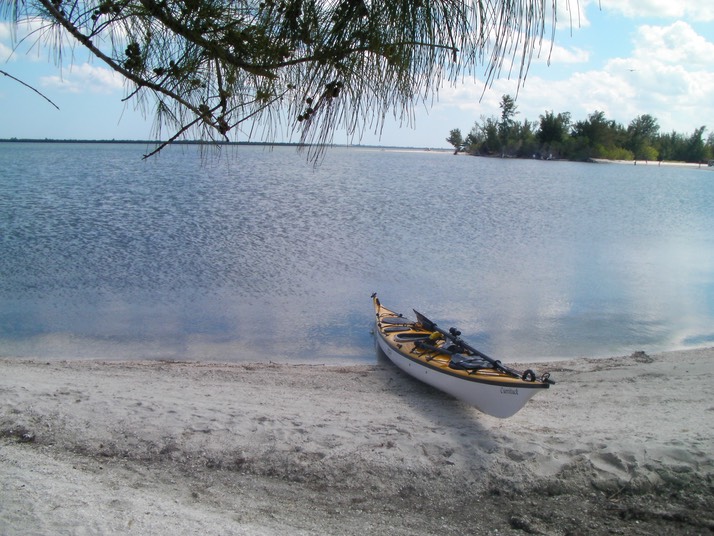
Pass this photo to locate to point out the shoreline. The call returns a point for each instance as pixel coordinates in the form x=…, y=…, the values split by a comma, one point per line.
x=655, y=163
x=618, y=445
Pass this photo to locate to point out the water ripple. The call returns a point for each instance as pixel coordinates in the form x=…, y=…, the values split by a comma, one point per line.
x=258, y=253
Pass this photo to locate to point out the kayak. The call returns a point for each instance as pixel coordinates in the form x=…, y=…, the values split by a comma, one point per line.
x=440, y=358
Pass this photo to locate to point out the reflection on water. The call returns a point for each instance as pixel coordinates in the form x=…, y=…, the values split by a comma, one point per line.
x=257, y=255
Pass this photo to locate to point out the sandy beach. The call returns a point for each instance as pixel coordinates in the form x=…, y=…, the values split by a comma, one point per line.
x=618, y=446
x=653, y=163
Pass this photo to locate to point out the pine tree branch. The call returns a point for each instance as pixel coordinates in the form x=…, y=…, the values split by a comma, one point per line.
x=87, y=42
x=29, y=87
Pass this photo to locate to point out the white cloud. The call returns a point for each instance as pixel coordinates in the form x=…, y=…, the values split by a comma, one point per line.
x=5, y=53
x=5, y=32
x=692, y=10
x=677, y=44
x=667, y=75
x=5, y=42
x=670, y=72
x=24, y=40
x=561, y=55
x=581, y=94
x=38, y=40
x=85, y=78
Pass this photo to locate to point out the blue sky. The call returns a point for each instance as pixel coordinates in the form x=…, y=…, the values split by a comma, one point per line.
x=622, y=57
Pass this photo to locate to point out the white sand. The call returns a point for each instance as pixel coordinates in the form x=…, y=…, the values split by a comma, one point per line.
x=622, y=445
x=653, y=163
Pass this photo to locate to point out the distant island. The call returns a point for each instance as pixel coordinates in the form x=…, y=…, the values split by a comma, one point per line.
x=558, y=137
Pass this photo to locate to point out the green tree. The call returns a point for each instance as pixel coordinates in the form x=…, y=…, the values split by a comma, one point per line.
x=641, y=134
x=709, y=147
x=603, y=138
x=527, y=140
x=211, y=67
x=553, y=131
x=491, y=141
x=474, y=139
x=456, y=139
x=678, y=147
x=694, y=149
x=670, y=146
x=506, y=131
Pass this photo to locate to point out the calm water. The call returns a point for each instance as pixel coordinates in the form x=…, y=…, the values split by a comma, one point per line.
x=255, y=255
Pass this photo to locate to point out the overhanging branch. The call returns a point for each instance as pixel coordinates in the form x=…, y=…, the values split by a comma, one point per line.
x=29, y=87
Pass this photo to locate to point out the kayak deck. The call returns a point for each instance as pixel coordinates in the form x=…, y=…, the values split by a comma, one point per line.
x=411, y=339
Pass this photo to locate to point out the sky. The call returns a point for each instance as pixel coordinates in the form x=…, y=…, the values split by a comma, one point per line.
x=622, y=57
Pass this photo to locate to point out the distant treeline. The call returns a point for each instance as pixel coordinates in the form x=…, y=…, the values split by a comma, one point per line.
x=558, y=137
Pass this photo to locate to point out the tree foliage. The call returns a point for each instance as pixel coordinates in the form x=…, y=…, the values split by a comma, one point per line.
x=506, y=126
x=456, y=139
x=556, y=136
x=212, y=67
x=552, y=128
x=642, y=133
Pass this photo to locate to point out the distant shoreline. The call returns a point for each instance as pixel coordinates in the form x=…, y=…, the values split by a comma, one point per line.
x=656, y=163
x=219, y=143
x=178, y=142
x=357, y=146
x=650, y=162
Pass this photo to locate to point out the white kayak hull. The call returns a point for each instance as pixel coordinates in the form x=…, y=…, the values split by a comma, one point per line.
x=500, y=401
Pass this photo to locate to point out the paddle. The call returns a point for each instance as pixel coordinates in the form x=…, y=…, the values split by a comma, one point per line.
x=453, y=335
